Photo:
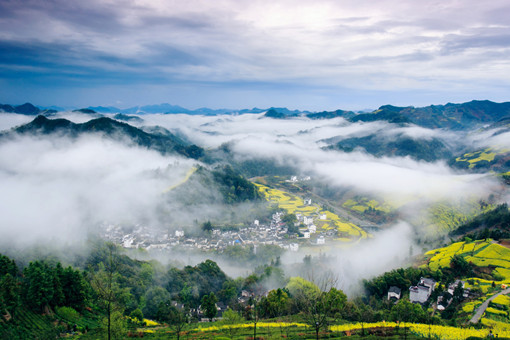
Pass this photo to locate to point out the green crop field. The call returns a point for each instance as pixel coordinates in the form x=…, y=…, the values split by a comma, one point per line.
x=487, y=154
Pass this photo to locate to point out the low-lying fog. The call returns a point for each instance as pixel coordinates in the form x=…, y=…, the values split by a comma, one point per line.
x=55, y=190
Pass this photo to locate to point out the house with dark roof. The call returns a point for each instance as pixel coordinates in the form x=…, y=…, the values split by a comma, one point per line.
x=422, y=291
x=394, y=293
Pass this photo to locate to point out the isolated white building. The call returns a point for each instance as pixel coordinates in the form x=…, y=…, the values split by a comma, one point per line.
x=179, y=233
x=321, y=240
x=394, y=292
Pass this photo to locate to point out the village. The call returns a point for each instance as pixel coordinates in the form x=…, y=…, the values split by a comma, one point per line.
x=422, y=291
x=274, y=233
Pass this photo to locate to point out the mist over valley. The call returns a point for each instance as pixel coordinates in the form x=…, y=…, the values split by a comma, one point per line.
x=141, y=179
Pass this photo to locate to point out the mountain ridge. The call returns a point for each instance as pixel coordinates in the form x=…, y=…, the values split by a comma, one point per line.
x=468, y=115
x=164, y=143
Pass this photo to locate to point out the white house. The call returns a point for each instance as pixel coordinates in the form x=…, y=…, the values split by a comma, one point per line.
x=306, y=234
x=443, y=301
x=394, y=292
x=452, y=286
x=323, y=217
x=312, y=228
x=321, y=240
x=256, y=222
x=307, y=220
x=179, y=233
x=307, y=201
x=421, y=292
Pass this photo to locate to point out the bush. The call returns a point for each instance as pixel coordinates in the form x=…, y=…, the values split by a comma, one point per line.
x=68, y=314
x=137, y=314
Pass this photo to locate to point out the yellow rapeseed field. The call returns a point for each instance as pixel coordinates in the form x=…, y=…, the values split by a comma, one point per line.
x=292, y=204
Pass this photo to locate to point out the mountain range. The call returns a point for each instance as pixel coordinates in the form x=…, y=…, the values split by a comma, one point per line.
x=467, y=115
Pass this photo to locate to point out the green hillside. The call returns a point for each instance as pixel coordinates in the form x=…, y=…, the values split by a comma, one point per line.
x=110, y=128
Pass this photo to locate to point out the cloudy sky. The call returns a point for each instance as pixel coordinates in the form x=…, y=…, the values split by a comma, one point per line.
x=312, y=55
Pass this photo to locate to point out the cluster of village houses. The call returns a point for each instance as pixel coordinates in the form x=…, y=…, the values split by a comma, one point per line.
x=243, y=299
x=274, y=233
x=423, y=290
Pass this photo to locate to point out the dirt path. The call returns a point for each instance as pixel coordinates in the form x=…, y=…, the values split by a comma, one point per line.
x=485, y=304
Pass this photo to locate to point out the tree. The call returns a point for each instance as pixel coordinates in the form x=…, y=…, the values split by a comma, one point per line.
x=109, y=293
x=9, y=294
x=137, y=314
x=253, y=313
x=230, y=290
x=207, y=227
x=301, y=288
x=277, y=301
x=231, y=319
x=209, y=306
x=460, y=267
x=176, y=319
x=41, y=287
x=406, y=311
x=153, y=298
x=7, y=266
x=317, y=304
x=114, y=325
x=74, y=288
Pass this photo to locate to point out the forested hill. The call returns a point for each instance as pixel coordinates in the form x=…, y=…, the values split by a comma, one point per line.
x=451, y=116
x=400, y=145
x=232, y=187
x=164, y=143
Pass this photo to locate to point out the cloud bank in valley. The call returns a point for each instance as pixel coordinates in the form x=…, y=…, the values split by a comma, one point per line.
x=55, y=189
x=59, y=189
x=299, y=142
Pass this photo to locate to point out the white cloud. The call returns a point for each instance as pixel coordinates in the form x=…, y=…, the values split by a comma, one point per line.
x=358, y=45
x=61, y=189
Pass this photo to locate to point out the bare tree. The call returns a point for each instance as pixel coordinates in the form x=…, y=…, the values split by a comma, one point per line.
x=324, y=304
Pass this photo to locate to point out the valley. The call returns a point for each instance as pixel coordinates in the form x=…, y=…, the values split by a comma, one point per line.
x=268, y=213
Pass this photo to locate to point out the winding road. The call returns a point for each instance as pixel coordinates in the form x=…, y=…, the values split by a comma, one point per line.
x=485, y=304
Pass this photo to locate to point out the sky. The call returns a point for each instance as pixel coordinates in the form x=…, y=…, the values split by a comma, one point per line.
x=310, y=55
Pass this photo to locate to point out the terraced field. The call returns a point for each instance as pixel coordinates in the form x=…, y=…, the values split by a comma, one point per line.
x=292, y=204
x=362, y=204
x=480, y=253
x=484, y=253
x=486, y=155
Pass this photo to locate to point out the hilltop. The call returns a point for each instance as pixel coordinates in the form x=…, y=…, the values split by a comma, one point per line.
x=164, y=143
